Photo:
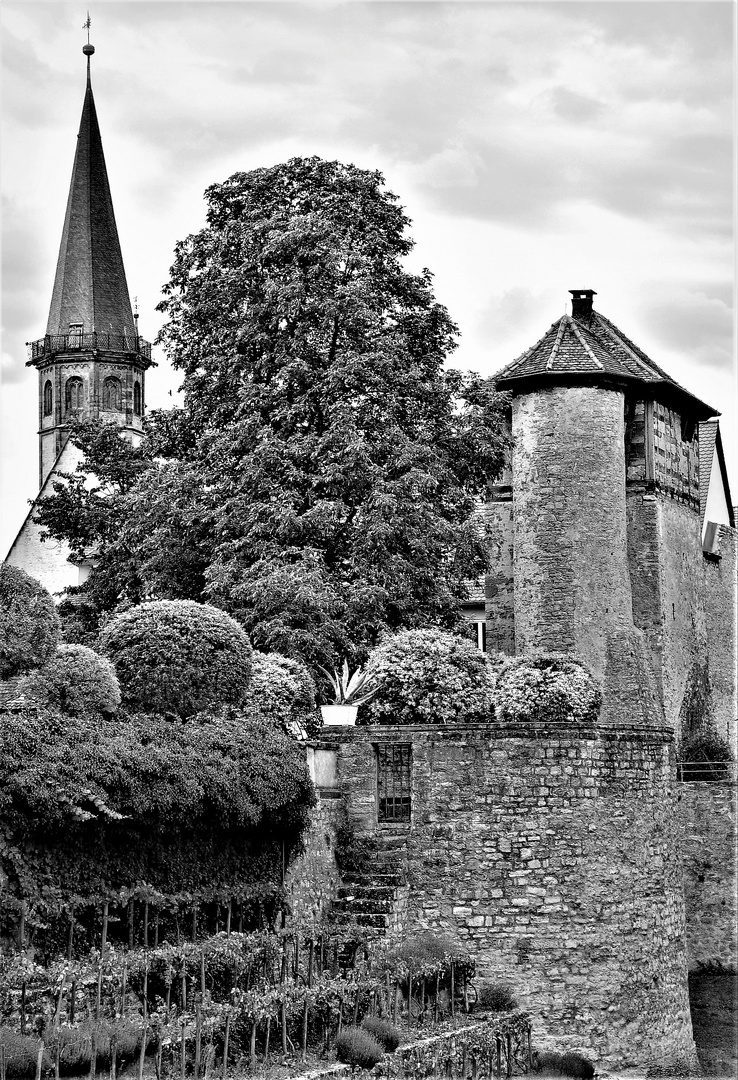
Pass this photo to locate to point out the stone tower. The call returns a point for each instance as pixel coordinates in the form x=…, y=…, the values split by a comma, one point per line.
x=91, y=362
x=582, y=401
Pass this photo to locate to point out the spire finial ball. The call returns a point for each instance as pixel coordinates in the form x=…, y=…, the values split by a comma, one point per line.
x=88, y=49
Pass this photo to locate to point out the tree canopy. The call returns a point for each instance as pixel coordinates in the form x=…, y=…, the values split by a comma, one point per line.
x=321, y=479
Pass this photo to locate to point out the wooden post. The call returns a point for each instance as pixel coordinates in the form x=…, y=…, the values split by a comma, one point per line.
x=156, y=930
x=202, y=973
x=142, y=1052
x=397, y=999
x=184, y=990
x=283, y=1006
x=435, y=999
x=466, y=993
x=131, y=911
x=252, y=1047
x=453, y=991
x=57, y=1052
x=123, y=987
x=40, y=1060
x=266, y=1040
x=182, y=1050
x=508, y=1049
x=228, y=918
x=225, y=1045
x=146, y=925
x=104, y=935
x=530, y=1049
x=198, y=1039
x=194, y=922
x=70, y=941
x=498, y=1071
x=304, y=1029
x=113, y=1055
x=22, y=928
x=23, y=1007
x=72, y=1000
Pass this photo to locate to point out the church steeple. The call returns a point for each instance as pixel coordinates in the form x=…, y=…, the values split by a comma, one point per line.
x=90, y=289
x=91, y=361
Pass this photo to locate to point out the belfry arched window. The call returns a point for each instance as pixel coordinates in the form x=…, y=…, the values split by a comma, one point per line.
x=48, y=398
x=137, y=398
x=74, y=394
x=112, y=394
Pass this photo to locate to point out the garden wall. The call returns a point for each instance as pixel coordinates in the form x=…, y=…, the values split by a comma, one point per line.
x=550, y=853
x=312, y=879
x=707, y=819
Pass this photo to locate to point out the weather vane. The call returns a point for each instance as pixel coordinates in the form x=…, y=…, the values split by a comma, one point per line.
x=86, y=26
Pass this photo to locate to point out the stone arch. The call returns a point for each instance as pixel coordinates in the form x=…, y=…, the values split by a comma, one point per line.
x=48, y=398
x=137, y=398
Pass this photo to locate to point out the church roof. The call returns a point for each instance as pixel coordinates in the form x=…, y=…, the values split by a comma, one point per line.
x=587, y=345
x=90, y=284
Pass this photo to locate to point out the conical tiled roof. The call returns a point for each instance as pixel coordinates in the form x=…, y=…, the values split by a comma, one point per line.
x=90, y=286
x=587, y=345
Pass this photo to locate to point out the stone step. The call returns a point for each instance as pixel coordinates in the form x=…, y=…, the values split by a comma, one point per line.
x=377, y=919
x=365, y=892
x=393, y=879
x=354, y=906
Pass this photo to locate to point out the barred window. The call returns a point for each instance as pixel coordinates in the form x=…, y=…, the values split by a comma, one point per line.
x=48, y=398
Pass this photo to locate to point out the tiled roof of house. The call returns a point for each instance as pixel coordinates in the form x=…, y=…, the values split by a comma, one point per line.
x=707, y=435
x=588, y=344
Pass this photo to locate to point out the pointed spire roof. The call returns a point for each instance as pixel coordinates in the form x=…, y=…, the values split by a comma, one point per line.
x=587, y=346
x=90, y=284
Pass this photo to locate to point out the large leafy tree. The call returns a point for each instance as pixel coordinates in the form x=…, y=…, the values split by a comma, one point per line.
x=322, y=478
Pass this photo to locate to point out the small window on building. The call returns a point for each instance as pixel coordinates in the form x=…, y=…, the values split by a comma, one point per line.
x=137, y=398
x=394, y=782
x=112, y=394
x=48, y=398
x=75, y=335
x=74, y=394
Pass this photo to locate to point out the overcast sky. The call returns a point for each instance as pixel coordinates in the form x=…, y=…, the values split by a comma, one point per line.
x=537, y=147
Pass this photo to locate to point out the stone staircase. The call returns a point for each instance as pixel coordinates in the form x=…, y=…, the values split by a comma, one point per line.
x=374, y=894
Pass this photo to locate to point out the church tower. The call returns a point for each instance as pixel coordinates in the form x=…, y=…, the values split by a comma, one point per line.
x=91, y=362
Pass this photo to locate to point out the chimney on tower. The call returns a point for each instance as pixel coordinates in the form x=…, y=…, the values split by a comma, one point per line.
x=581, y=302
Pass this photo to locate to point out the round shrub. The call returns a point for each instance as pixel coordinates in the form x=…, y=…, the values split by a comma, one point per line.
x=176, y=656
x=283, y=692
x=383, y=1031
x=704, y=755
x=428, y=677
x=29, y=623
x=546, y=687
x=357, y=1048
x=497, y=997
x=77, y=681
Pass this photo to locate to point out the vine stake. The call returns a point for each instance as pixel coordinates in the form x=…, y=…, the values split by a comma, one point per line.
x=182, y=1048
x=142, y=1053
x=40, y=1060
x=252, y=1047
x=225, y=1045
x=198, y=1040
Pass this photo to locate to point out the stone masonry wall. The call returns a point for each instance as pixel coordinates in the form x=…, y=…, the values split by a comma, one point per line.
x=720, y=582
x=707, y=822
x=572, y=586
x=312, y=879
x=551, y=854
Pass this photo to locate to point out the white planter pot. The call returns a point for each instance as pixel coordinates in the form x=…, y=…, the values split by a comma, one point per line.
x=339, y=714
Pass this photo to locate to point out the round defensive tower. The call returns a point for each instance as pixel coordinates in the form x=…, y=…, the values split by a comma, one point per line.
x=570, y=552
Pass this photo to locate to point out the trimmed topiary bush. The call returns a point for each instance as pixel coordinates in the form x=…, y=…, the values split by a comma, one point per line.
x=176, y=656
x=569, y=1064
x=497, y=997
x=704, y=755
x=29, y=623
x=428, y=677
x=383, y=1031
x=546, y=688
x=357, y=1048
x=283, y=691
x=77, y=682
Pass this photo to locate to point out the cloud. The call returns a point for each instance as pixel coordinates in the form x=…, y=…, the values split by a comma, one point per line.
x=696, y=320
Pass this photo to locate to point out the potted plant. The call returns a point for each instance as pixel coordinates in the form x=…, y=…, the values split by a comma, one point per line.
x=350, y=691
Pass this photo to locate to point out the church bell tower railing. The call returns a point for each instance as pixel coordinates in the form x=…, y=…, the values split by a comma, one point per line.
x=47, y=347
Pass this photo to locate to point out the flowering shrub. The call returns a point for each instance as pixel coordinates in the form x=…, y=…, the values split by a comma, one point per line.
x=546, y=687
x=283, y=691
x=428, y=677
x=355, y=1046
x=383, y=1031
x=179, y=657
x=77, y=682
x=29, y=624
